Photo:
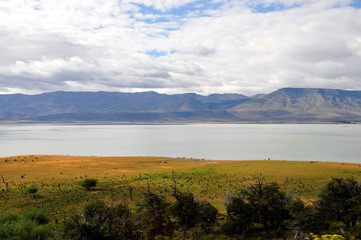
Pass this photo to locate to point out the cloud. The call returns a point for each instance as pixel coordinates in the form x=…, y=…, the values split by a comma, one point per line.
x=173, y=46
x=163, y=5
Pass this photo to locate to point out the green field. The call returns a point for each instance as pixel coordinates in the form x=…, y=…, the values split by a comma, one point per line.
x=57, y=179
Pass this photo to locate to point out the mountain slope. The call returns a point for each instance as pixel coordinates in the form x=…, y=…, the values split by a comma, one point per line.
x=301, y=103
x=283, y=105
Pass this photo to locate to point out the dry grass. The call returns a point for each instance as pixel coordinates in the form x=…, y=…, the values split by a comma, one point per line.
x=48, y=168
x=57, y=178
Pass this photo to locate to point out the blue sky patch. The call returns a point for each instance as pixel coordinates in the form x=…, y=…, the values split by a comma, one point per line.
x=274, y=7
x=356, y=4
x=198, y=8
x=155, y=53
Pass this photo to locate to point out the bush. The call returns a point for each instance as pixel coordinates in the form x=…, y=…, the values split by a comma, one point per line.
x=100, y=221
x=89, y=183
x=32, y=190
x=26, y=226
x=38, y=216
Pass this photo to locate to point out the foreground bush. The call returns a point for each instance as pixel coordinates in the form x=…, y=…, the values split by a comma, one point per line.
x=155, y=218
x=26, y=226
x=259, y=211
x=100, y=221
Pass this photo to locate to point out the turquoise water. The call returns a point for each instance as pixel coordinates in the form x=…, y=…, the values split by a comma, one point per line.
x=311, y=142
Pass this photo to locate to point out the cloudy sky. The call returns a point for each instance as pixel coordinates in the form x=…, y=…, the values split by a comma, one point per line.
x=177, y=46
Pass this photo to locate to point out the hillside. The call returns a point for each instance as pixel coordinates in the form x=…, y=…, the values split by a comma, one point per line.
x=301, y=104
x=283, y=105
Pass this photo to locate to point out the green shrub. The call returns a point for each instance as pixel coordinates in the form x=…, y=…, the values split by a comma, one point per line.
x=32, y=190
x=26, y=226
x=89, y=183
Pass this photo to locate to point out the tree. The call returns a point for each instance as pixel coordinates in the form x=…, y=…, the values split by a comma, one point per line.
x=155, y=218
x=124, y=224
x=190, y=213
x=184, y=210
x=90, y=225
x=89, y=183
x=312, y=219
x=207, y=216
x=101, y=222
x=240, y=216
x=340, y=200
x=269, y=204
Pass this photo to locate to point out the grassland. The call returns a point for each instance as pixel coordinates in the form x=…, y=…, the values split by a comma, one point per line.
x=123, y=178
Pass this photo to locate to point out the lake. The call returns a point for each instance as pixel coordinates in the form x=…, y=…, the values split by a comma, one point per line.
x=310, y=142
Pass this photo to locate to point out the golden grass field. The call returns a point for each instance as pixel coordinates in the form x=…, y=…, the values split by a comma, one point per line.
x=53, y=168
x=57, y=178
x=49, y=168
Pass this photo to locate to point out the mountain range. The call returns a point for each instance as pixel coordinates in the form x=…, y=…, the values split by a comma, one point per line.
x=286, y=105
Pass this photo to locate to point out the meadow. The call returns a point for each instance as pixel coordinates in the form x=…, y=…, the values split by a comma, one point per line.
x=123, y=179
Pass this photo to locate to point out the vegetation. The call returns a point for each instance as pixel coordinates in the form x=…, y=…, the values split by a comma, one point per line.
x=32, y=190
x=260, y=210
x=180, y=198
x=325, y=237
x=26, y=226
x=89, y=183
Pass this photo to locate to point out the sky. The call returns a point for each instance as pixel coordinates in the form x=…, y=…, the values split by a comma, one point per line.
x=179, y=46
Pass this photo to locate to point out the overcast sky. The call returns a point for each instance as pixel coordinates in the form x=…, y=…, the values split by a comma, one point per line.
x=177, y=46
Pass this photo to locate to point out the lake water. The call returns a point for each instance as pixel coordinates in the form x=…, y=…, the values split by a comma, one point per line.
x=341, y=143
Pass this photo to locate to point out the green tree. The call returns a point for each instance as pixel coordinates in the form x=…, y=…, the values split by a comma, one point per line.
x=155, y=218
x=89, y=183
x=207, y=214
x=101, y=222
x=90, y=225
x=240, y=216
x=124, y=224
x=269, y=204
x=340, y=200
x=190, y=213
x=312, y=219
x=184, y=210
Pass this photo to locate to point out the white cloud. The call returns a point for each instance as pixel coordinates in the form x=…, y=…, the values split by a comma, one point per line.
x=45, y=68
x=51, y=45
x=162, y=5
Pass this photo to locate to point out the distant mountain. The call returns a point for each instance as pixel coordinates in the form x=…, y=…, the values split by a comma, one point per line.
x=302, y=104
x=283, y=105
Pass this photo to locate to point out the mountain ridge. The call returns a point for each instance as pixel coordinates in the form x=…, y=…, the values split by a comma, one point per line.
x=283, y=105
